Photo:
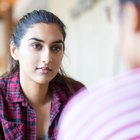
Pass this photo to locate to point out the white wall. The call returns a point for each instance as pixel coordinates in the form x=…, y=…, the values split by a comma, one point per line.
x=91, y=53
x=23, y=6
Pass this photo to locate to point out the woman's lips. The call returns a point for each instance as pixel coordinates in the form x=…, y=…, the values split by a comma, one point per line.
x=44, y=70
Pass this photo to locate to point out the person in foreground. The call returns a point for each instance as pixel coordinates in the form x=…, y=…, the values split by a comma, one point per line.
x=112, y=110
x=34, y=90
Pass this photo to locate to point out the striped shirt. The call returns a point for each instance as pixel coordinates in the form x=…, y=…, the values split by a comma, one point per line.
x=17, y=117
x=110, y=112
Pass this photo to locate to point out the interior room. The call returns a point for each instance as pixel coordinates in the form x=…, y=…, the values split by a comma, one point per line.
x=90, y=55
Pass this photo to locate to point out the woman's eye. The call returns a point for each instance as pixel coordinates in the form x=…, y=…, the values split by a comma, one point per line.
x=56, y=48
x=36, y=46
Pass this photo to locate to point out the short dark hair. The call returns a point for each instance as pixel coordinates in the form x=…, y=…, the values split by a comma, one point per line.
x=136, y=2
x=123, y=2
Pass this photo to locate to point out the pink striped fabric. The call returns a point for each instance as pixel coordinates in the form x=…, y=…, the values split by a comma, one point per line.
x=110, y=111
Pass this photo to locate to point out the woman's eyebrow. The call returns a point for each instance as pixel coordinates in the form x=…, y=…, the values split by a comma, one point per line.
x=58, y=41
x=36, y=39
x=42, y=41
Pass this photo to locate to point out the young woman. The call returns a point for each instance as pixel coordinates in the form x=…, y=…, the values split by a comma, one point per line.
x=34, y=90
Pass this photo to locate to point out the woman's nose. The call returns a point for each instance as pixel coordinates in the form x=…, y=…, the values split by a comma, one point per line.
x=47, y=56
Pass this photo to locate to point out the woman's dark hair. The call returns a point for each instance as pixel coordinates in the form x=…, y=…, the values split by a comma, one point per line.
x=34, y=17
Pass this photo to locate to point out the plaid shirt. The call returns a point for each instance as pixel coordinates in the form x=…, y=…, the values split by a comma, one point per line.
x=17, y=117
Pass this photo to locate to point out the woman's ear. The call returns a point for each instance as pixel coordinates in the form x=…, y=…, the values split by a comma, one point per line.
x=14, y=50
x=133, y=15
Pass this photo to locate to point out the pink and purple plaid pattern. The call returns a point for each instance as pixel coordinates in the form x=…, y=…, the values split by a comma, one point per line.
x=17, y=117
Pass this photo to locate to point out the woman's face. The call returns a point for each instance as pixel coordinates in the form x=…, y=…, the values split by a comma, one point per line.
x=40, y=53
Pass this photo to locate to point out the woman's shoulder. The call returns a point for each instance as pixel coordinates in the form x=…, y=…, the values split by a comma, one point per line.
x=3, y=82
x=75, y=84
x=3, y=87
x=6, y=80
x=69, y=85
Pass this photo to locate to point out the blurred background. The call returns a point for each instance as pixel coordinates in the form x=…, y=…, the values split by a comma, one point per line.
x=91, y=54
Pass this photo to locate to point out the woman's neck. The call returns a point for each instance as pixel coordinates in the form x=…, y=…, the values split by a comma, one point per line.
x=36, y=94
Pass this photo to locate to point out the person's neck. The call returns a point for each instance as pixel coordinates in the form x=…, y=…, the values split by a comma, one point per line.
x=36, y=94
